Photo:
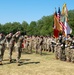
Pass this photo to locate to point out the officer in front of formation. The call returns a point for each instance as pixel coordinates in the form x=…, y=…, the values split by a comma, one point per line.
x=2, y=47
x=18, y=45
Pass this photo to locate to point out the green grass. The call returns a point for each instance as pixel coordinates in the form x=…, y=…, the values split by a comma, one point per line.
x=35, y=64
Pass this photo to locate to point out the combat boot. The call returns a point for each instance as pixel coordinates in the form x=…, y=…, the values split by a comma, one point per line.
x=10, y=60
x=1, y=63
x=18, y=64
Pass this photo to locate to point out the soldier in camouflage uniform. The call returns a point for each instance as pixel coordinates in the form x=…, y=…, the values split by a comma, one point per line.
x=49, y=44
x=72, y=50
x=41, y=40
x=62, y=52
x=2, y=47
x=30, y=44
x=19, y=41
x=67, y=49
x=58, y=50
x=27, y=44
x=33, y=37
x=45, y=43
x=53, y=42
x=36, y=44
x=11, y=48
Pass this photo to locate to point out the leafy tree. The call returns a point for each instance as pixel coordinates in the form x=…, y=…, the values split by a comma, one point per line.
x=42, y=27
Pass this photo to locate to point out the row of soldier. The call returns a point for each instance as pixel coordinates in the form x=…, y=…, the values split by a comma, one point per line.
x=38, y=43
x=64, y=49
x=19, y=42
x=9, y=41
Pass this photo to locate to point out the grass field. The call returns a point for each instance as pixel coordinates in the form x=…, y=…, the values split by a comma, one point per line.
x=35, y=64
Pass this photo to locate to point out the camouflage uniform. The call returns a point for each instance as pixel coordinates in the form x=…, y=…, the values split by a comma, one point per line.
x=33, y=42
x=19, y=48
x=67, y=49
x=11, y=48
x=41, y=44
x=62, y=52
x=2, y=49
x=30, y=44
x=45, y=43
x=72, y=51
x=53, y=42
x=58, y=51
x=72, y=55
x=49, y=44
x=27, y=44
x=18, y=45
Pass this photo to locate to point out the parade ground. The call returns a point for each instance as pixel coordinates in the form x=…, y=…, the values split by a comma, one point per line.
x=36, y=64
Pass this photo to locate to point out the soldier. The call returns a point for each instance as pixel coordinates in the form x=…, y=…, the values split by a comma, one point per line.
x=62, y=52
x=58, y=51
x=53, y=42
x=19, y=41
x=11, y=48
x=33, y=37
x=2, y=47
x=67, y=49
x=45, y=43
x=27, y=43
x=68, y=53
x=49, y=44
x=37, y=44
x=30, y=44
x=41, y=44
x=72, y=50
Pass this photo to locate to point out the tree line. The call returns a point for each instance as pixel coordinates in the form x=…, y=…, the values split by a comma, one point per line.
x=43, y=26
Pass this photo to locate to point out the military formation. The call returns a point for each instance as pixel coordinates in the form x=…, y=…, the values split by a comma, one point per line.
x=11, y=42
x=63, y=47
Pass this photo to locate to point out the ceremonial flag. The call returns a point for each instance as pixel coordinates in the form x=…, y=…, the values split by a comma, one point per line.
x=64, y=18
x=67, y=29
x=55, y=31
x=65, y=12
x=57, y=26
x=59, y=14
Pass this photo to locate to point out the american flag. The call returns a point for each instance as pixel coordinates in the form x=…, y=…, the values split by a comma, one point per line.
x=63, y=26
x=58, y=14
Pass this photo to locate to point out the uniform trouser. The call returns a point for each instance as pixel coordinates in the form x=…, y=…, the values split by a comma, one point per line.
x=72, y=55
x=41, y=48
x=10, y=52
x=53, y=48
x=1, y=53
x=45, y=46
x=18, y=50
x=27, y=47
x=62, y=54
x=49, y=47
x=30, y=48
x=37, y=48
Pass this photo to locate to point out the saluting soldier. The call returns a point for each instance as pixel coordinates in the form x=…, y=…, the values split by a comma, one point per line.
x=19, y=41
x=11, y=48
x=2, y=47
